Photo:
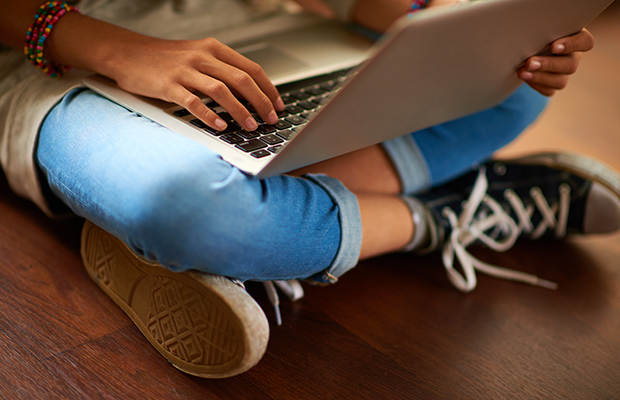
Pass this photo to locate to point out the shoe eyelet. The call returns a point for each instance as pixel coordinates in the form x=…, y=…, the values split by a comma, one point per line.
x=564, y=188
x=499, y=169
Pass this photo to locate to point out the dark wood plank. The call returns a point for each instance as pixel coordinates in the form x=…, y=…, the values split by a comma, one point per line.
x=22, y=376
x=502, y=338
x=123, y=365
x=313, y=355
x=44, y=283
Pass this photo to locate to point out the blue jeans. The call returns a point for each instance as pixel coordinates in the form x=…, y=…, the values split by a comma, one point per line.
x=181, y=205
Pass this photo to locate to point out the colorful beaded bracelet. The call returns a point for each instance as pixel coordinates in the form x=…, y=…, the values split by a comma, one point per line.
x=44, y=20
x=417, y=5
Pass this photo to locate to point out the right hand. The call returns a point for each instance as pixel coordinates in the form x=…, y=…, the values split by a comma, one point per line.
x=174, y=70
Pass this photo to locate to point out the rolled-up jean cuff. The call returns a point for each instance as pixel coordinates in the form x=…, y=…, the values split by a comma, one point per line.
x=350, y=229
x=409, y=163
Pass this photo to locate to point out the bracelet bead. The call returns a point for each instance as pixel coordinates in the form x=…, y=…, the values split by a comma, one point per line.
x=417, y=5
x=44, y=21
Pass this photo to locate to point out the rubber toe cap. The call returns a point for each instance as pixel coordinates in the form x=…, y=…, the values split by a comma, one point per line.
x=602, y=213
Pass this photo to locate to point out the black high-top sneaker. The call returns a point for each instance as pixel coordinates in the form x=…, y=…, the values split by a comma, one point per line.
x=538, y=196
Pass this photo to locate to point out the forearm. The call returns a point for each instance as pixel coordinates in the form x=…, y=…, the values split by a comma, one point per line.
x=87, y=43
x=378, y=15
x=76, y=40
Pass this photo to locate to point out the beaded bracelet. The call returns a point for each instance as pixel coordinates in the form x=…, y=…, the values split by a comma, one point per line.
x=44, y=20
x=417, y=5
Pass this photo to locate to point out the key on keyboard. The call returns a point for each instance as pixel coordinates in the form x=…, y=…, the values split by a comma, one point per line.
x=303, y=99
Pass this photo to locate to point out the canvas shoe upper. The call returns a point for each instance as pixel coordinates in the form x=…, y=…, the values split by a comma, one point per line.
x=543, y=195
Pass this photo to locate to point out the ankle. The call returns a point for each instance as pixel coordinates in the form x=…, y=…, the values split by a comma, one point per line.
x=420, y=229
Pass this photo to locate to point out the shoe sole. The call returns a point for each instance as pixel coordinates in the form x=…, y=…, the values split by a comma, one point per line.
x=575, y=164
x=204, y=325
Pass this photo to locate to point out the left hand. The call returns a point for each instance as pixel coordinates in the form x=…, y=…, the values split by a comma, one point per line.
x=548, y=74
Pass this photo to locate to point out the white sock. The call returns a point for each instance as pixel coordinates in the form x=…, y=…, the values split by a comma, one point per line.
x=420, y=227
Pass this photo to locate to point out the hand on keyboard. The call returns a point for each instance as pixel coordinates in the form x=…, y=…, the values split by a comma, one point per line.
x=303, y=101
x=174, y=70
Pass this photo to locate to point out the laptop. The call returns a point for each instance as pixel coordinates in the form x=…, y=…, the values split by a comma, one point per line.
x=343, y=92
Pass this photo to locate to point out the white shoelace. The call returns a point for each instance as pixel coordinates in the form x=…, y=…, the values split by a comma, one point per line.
x=469, y=227
x=292, y=289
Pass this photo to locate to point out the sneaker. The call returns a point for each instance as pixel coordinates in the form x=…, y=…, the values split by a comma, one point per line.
x=205, y=325
x=542, y=195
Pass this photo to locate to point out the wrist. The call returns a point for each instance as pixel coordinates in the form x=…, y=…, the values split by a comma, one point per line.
x=93, y=45
x=45, y=19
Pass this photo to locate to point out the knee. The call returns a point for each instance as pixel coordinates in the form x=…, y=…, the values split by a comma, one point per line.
x=182, y=195
x=521, y=109
x=500, y=125
x=196, y=218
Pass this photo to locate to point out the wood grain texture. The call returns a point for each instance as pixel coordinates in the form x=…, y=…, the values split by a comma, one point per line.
x=393, y=328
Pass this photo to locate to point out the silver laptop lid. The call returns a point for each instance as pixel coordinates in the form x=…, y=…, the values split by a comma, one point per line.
x=440, y=65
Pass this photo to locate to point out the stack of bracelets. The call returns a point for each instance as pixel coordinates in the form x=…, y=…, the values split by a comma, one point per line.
x=44, y=20
x=417, y=5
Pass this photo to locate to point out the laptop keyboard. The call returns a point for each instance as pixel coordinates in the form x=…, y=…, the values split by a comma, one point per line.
x=302, y=100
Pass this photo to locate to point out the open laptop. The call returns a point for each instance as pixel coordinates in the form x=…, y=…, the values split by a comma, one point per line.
x=344, y=93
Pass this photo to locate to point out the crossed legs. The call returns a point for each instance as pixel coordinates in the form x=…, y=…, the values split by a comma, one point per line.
x=182, y=206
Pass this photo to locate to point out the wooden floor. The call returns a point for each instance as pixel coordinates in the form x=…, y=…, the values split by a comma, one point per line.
x=393, y=328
